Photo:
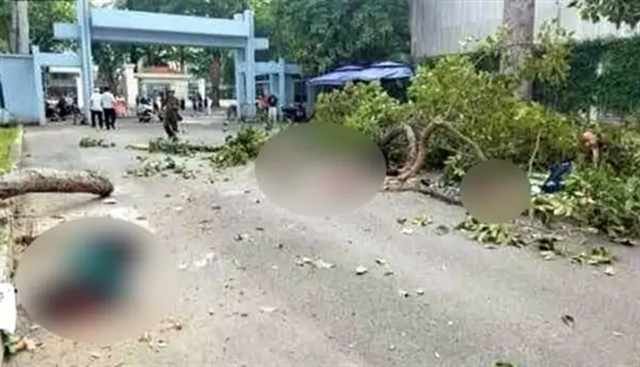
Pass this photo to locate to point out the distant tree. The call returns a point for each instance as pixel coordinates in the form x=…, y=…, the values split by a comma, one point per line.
x=618, y=12
x=41, y=15
x=322, y=34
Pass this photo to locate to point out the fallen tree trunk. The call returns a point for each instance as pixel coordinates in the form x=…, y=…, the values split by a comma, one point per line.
x=44, y=180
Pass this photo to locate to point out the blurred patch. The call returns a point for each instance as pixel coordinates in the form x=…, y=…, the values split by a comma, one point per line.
x=96, y=280
x=320, y=169
x=495, y=191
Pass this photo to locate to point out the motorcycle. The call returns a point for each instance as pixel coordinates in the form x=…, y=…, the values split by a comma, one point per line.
x=145, y=113
x=295, y=113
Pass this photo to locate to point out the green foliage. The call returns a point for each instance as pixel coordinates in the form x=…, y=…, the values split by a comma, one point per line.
x=488, y=233
x=599, y=198
x=239, y=149
x=8, y=136
x=615, y=11
x=179, y=147
x=365, y=107
x=90, y=142
x=42, y=15
x=616, y=89
x=110, y=60
x=321, y=34
x=162, y=167
x=481, y=104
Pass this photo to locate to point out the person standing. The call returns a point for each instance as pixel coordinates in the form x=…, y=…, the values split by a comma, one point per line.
x=96, y=108
x=171, y=116
x=108, y=107
x=272, y=102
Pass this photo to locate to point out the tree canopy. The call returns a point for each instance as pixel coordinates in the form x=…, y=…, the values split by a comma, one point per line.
x=42, y=15
x=320, y=34
x=616, y=11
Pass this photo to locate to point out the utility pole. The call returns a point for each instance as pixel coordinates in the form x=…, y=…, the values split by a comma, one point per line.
x=24, y=41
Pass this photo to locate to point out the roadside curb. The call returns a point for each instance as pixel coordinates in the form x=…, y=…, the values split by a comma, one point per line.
x=6, y=250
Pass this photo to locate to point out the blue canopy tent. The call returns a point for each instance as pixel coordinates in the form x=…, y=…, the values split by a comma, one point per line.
x=336, y=77
x=379, y=71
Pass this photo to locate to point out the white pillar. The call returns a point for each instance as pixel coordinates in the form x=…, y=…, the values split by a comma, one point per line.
x=80, y=90
x=131, y=85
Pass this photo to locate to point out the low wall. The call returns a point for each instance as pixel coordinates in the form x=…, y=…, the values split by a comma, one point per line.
x=18, y=87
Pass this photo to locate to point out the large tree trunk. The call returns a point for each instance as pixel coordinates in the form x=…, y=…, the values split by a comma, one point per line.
x=43, y=180
x=214, y=77
x=519, y=17
x=13, y=28
x=419, y=12
x=24, y=42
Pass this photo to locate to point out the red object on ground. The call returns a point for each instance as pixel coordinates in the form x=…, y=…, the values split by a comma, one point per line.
x=71, y=302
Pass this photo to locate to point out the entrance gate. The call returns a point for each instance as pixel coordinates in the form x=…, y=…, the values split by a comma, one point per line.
x=123, y=26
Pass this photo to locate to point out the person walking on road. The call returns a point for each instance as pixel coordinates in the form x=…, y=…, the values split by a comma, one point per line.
x=171, y=116
x=96, y=108
x=108, y=106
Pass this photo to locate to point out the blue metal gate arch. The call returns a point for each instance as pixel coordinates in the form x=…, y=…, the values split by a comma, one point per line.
x=123, y=26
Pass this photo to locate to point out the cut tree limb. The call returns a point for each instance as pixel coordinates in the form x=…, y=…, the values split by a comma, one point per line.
x=392, y=184
x=416, y=164
x=45, y=180
x=410, y=135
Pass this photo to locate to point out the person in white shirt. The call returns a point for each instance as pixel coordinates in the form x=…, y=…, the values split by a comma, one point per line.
x=96, y=108
x=108, y=107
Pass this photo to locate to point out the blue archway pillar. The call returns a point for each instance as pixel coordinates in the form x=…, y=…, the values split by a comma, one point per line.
x=86, y=59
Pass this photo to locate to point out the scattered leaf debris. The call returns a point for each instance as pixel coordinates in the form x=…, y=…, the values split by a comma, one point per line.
x=568, y=320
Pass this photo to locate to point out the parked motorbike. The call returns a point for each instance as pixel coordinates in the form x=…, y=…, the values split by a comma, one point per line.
x=296, y=113
x=144, y=113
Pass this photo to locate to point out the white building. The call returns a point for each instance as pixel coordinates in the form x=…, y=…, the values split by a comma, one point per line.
x=438, y=26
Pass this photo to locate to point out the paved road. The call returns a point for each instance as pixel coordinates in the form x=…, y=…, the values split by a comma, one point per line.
x=255, y=306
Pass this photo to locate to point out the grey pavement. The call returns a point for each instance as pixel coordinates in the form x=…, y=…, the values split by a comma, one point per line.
x=256, y=306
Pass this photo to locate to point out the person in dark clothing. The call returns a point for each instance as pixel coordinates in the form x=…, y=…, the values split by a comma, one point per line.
x=199, y=102
x=171, y=116
x=272, y=102
x=183, y=104
x=62, y=108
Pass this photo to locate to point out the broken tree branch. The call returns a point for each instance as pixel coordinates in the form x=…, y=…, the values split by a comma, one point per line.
x=46, y=180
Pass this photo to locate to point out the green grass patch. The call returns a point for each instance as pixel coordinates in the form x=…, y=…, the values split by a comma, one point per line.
x=8, y=136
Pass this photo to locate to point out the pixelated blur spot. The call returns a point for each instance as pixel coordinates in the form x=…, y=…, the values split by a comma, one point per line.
x=320, y=169
x=495, y=191
x=96, y=280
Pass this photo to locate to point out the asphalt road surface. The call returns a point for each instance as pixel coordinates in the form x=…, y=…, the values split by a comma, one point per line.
x=440, y=300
